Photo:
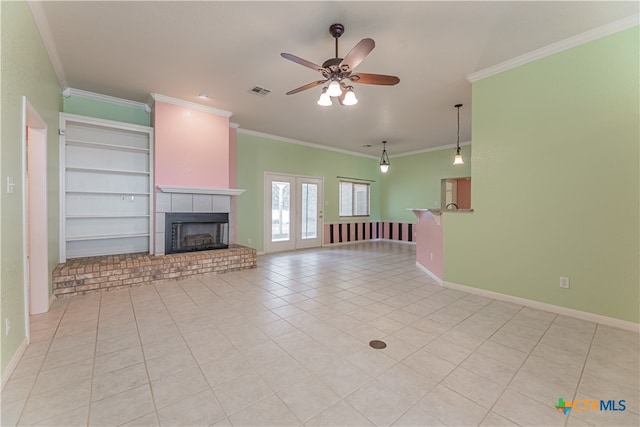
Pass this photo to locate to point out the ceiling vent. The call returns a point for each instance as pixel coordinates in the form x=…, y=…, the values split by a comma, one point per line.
x=257, y=90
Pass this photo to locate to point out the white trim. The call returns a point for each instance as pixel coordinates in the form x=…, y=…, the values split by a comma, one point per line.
x=187, y=104
x=564, y=311
x=577, y=40
x=106, y=98
x=14, y=361
x=52, y=299
x=298, y=142
x=201, y=190
x=234, y=125
x=428, y=150
x=429, y=273
x=31, y=118
x=103, y=122
x=44, y=29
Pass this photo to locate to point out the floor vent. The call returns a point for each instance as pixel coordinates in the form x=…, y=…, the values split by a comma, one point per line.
x=257, y=90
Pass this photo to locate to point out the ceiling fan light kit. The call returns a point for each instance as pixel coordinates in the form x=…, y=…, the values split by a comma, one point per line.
x=338, y=72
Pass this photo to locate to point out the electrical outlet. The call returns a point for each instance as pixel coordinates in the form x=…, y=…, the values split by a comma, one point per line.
x=123, y=199
x=564, y=282
x=249, y=241
x=7, y=326
x=431, y=256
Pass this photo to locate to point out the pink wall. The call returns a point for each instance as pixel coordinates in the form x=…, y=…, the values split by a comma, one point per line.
x=191, y=147
x=464, y=193
x=429, y=241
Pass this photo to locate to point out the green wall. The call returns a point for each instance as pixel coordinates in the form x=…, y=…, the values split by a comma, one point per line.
x=257, y=155
x=105, y=110
x=556, y=182
x=26, y=71
x=413, y=181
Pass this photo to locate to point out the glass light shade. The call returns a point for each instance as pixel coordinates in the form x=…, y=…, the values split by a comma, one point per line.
x=384, y=167
x=457, y=160
x=325, y=99
x=350, y=97
x=334, y=88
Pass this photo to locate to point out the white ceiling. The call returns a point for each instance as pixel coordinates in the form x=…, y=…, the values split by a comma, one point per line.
x=179, y=49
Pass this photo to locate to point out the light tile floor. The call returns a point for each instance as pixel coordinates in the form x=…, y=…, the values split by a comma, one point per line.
x=287, y=344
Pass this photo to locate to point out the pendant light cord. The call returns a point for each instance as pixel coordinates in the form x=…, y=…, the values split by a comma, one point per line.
x=458, y=143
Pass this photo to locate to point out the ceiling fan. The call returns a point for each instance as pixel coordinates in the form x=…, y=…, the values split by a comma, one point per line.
x=339, y=71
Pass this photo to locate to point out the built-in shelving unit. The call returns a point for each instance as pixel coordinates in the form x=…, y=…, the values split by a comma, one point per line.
x=106, y=183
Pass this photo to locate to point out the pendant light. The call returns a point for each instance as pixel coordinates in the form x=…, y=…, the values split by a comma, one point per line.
x=457, y=160
x=384, y=160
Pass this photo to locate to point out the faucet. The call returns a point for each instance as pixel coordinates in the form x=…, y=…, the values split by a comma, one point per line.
x=452, y=204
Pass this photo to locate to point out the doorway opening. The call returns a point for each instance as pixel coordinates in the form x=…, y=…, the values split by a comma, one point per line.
x=35, y=221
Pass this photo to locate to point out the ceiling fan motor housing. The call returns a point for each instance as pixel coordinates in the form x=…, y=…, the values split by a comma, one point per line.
x=336, y=30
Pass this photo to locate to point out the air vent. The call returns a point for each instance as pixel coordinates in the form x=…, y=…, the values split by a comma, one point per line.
x=257, y=90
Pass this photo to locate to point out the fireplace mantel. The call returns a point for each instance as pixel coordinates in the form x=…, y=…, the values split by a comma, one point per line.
x=201, y=190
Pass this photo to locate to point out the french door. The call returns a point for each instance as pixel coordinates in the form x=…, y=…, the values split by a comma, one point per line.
x=293, y=212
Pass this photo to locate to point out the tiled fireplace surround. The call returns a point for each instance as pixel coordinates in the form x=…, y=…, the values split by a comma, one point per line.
x=95, y=274
x=187, y=203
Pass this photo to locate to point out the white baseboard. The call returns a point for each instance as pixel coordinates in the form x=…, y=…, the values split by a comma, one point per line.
x=429, y=273
x=52, y=299
x=14, y=361
x=396, y=241
x=564, y=311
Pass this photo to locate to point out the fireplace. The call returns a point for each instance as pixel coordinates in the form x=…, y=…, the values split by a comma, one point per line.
x=189, y=232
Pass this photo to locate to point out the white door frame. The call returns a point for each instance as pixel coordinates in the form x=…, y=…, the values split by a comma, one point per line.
x=34, y=208
x=294, y=229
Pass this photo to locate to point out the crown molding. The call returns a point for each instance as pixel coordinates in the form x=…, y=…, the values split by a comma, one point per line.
x=234, y=125
x=44, y=29
x=106, y=98
x=577, y=40
x=307, y=144
x=192, y=105
x=428, y=150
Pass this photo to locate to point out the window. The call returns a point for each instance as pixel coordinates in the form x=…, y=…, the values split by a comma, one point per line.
x=354, y=199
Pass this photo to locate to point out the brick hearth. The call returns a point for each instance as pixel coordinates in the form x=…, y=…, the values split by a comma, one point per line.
x=81, y=276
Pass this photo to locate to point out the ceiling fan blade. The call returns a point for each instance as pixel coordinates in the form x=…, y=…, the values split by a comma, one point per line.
x=374, y=79
x=305, y=87
x=357, y=54
x=302, y=62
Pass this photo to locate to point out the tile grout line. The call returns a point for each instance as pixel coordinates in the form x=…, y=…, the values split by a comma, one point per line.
x=144, y=359
x=584, y=365
x=42, y=363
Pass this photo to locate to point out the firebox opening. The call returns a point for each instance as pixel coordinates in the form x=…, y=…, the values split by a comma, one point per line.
x=189, y=232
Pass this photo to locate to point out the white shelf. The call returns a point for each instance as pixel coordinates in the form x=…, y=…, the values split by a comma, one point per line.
x=108, y=171
x=105, y=237
x=123, y=193
x=108, y=216
x=103, y=146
